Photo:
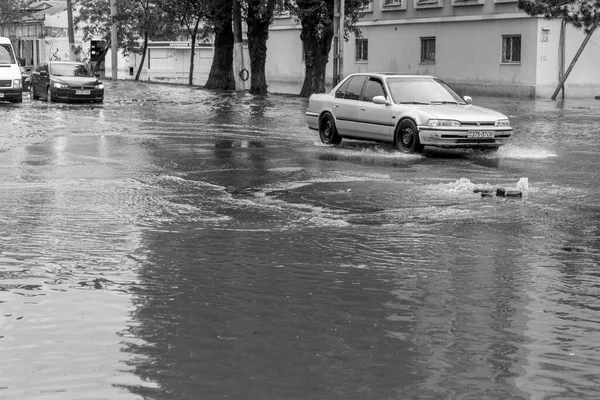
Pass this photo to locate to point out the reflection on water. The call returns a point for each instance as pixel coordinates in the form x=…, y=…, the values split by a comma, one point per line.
x=181, y=244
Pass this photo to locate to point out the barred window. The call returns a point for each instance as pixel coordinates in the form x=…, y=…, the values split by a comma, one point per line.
x=511, y=49
x=428, y=50
x=362, y=49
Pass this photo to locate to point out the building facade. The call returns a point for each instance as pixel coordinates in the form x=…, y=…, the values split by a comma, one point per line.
x=43, y=34
x=477, y=46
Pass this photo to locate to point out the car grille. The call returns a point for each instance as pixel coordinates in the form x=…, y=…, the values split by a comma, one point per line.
x=5, y=83
x=86, y=87
x=478, y=123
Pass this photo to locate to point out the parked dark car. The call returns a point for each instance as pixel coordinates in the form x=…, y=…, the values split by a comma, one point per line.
x=67, y=81
x=25, y=79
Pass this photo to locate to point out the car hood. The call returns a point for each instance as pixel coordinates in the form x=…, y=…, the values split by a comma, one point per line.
x=77, y=80
x=465, y=113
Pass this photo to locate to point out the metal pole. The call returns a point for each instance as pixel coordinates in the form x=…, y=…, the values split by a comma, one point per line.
x=70, y=30
x=336, y=41
x=566, y=75
x=113, y=39
x=341, y=40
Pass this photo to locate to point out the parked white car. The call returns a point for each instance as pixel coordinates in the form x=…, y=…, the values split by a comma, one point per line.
x=409, y=111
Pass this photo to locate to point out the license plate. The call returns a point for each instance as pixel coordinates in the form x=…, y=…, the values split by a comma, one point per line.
x=480, y=134
x=84, y=92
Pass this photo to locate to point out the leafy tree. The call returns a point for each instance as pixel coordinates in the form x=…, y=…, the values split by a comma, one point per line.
x=135, y=19
x=190, y=14
x=580, y=13
x=316, y=18
x=95, y=19
x=13, y=10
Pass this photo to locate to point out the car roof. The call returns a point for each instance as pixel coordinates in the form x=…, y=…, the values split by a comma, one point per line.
x=393, y=74
x=64, y=62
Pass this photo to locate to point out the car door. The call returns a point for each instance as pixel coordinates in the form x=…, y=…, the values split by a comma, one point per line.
x=37, y=80
x=374, y=120
x=345, y=106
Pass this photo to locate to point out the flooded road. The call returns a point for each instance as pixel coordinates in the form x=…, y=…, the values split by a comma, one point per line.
x=176, y=243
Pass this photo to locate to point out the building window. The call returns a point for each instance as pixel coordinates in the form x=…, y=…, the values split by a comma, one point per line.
x=428, y=50
x=392, y=2
x=362, y=49
x=511, y=49
x=367, y=8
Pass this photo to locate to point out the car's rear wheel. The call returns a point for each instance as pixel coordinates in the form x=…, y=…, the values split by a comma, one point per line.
x=327, y=130
x=32, y=94
x=407, y=137
x=49, y=95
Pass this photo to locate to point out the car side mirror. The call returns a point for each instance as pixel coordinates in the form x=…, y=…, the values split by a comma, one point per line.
x=43, y=73
x=468, y=99
x=380, y=100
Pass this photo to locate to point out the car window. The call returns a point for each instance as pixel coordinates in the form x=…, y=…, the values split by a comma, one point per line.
x=341, y=92
x=6, y=56
x=422, y=90
x=373, y=88
x=355, y=87
x=58, y=69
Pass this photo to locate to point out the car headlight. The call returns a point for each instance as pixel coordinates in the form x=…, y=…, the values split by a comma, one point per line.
x=60, y=85
x=100, y=86
x=17, y=84
x=503, y=122
x=443, y=122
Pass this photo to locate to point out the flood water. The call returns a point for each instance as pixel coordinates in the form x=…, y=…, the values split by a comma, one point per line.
x=176, y=243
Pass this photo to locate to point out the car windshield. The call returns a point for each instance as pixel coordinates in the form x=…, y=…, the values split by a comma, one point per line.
x=70, y=70
x=6, y=56
x=422, y=90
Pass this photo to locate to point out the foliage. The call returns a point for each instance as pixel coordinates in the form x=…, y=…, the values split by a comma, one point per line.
x=13, y=10
x=580, y=13
x=95, y=21
x=134, y=19
x=317, y=15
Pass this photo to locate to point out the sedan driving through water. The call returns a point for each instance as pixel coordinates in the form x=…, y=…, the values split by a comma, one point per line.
x=409, y=111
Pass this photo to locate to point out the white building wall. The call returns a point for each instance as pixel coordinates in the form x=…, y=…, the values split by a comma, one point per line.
x=468, y=48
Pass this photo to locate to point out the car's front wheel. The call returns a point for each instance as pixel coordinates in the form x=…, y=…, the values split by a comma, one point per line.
x=327, y=130
x=407, y=137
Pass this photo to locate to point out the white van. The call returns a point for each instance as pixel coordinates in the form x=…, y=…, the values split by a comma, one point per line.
x=11, y=87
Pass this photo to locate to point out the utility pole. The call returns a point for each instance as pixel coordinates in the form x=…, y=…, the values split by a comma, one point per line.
x=71, y=31
x=341, y=40
x=113, y=38
x=338, y=40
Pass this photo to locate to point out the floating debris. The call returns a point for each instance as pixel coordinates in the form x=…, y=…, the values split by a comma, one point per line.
x=501, y=192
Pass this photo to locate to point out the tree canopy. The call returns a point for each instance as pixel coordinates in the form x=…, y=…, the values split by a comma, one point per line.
x=580, y=13
x=13, y=10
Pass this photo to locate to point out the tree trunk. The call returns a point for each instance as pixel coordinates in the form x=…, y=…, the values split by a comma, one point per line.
x=144, y=50
x=316, y=56
x=102, y=57
x=258, y=22
x=194, y=33
x=221, y=70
